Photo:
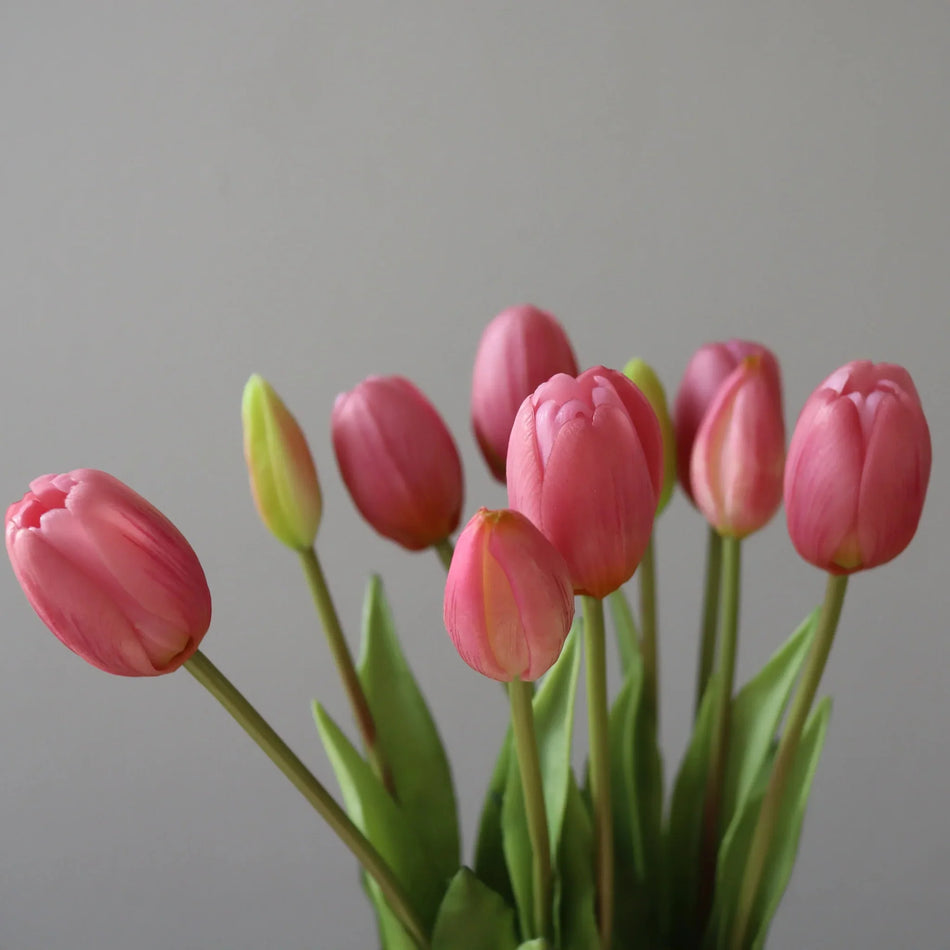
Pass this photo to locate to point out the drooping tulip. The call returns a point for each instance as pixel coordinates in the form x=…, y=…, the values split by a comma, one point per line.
x=739, y=453
x=109, y=574
x=858, y=468
x=520, y=349
x=707, y=370
x=283, y=477
x=398, y=460
x=508, y=597
x=585, y=464
x=643, y=376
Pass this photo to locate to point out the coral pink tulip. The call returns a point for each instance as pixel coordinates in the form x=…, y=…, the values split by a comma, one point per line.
x=706, y=371
x=110, y=575
x=398, y=461
x=520, y=349
x=858, y=468
x=508, y=597
x=585, y=464
x=739, y=452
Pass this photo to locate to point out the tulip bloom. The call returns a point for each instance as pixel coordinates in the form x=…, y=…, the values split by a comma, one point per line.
x=508, y=597
x=739, y=452
x=520, y=349
x=398, y=460
x=858, y=468
x=283, y=477
x=642, y=375
x=585, y=464
x=110, y=575
x=708, y=369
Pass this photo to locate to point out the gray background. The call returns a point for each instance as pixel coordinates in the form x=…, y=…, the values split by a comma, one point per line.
x=190, y=192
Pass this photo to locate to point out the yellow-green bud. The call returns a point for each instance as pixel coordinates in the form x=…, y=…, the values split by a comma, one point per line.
x=283, y=477
x=642, y=376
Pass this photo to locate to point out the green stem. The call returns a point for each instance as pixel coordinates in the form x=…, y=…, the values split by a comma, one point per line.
x=729, y=628
x=344, y=663
x=445, y=549
x=526, y=745
x=647, y=573
x=599, y=761
x=306, y=783
x=785, y=756
x=710, y=614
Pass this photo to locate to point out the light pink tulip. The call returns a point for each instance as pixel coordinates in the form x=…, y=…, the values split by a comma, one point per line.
x=858, y=468
x=508, y=597
x=520, y=349
x=585, y=464
x=706, y=371
x=398, y=460
x=739, y=452
x=110, y=575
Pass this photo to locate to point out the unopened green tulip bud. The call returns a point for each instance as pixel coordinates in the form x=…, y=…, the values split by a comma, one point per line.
x=642, y=376
x=283, y=477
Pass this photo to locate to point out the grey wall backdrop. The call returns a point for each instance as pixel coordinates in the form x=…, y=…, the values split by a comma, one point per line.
x=316, y=191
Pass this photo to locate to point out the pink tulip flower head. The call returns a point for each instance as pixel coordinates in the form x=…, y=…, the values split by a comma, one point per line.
x=508, y=597
x=858, y=468
x=739, y=452
x=706, y=371
x=520, y=349
x=585, y=464
x=398, y=460
x=110, y=575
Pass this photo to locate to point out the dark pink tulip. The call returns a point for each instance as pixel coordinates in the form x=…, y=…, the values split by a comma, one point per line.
x=858, y=468
x=739, y=452
x=110, y=575
x=508, y=597
x=520, y=349
x=398, y=461
x=706, y=371
x=585, y=464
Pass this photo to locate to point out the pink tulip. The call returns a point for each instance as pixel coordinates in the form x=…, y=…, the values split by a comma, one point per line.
x=739, y=452
x=585, y=464
x=858, y=468
x=110, y=575
x=705, y=373
x=398, y=461
x=508, y=597
x=520, y=349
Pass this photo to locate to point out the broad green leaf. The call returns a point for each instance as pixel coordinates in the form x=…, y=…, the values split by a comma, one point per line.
x=735, y=847
x=575, y=891
x=539, y=944
x=407, y=736
x=516, y=843
x=756, y=712
x=490, y=866
x=375, y=813
x=625, y=628
x=684, y=831
x=473, y=917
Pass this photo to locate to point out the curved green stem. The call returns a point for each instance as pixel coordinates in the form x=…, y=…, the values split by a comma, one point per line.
x=710, y=615
x=344, y=663
x=648, y=648
x=785, y=756
x=445, y=549
x=306, y=783
x=599, y=762
x=526, y=745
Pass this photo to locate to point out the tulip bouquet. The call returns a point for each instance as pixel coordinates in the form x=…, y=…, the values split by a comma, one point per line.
x=590, y=861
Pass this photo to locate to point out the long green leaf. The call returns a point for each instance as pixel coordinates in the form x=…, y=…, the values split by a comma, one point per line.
x=473, y=917
x=625, y=628
x=516, y=843
x=490, y=866
x=408, y=736
x=575, y=890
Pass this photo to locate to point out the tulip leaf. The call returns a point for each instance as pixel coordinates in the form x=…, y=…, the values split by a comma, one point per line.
x=408, y=736
x=784, y=848
x=684, y=831
x=516, y=843
x=756, y=712
x=575, y=894
x=625, y=628
x=539, y=944
x=490, y=866
x=382, y=820
x=473, y=917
